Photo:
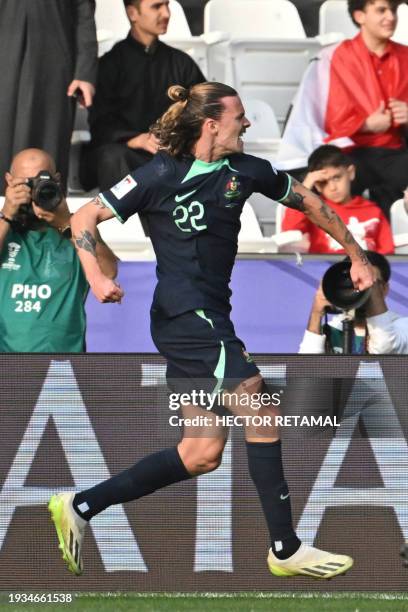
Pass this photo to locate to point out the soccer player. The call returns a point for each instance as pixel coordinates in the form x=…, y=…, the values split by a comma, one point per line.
x=192, y=194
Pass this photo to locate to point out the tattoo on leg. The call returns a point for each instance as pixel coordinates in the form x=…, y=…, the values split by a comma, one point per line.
x=98, y=202
x=87, y=242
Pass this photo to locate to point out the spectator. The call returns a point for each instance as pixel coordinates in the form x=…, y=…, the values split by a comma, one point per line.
x=330, y=173
x=42, y=285
x=48, y=56
x=356, y=96
x=131, y=94
x=376, y=329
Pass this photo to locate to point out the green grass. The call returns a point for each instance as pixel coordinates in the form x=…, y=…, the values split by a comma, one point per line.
x=235, y=602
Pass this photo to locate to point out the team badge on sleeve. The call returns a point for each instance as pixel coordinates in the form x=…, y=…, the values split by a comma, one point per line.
x=232, y=190
x=123, y=187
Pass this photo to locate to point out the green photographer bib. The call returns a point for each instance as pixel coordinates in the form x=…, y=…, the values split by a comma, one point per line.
x=42, y=294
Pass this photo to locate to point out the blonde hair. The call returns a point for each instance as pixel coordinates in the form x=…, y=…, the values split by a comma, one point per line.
x=180, y=126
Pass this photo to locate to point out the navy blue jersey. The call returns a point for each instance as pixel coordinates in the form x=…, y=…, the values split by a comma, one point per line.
x=193, y=210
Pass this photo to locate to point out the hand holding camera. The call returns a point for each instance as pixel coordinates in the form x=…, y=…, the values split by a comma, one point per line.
x=17, y=193
x=44, y=193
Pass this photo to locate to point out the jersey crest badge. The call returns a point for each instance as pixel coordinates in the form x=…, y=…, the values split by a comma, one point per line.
x=232, y=191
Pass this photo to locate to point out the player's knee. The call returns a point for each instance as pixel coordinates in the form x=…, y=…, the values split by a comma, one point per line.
x=201, y=458
x=252, y=385
x=207, y=463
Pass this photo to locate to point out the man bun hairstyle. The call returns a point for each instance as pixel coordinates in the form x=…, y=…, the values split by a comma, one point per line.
x=177, y=93
x=328, y=156
x=180, y=126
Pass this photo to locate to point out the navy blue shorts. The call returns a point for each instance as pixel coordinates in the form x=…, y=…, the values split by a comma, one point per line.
x=202, y=351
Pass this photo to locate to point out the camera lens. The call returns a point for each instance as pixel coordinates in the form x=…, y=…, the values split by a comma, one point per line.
x=339, y=290
x=47, y=194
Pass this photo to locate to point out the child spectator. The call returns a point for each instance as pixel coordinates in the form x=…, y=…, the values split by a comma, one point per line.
x=330, y=173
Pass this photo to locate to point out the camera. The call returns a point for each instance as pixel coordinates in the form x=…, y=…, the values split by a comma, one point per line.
x=339, y=290
x=46, y=192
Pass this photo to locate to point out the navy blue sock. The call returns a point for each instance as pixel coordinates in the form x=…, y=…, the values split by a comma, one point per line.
x=266, y=470
x=149, y=474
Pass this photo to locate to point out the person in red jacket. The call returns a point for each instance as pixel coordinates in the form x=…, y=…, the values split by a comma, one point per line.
x=330, y=173
x=355, y=96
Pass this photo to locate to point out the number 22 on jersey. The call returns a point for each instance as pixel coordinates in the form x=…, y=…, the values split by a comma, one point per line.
x=188, y=218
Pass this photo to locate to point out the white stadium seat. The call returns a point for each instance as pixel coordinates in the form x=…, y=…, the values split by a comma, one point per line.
x=264, y=125
x=263, y=137
x=253, y=18
x=127, y=240
x=264, y=68
x=266, y=53
x=263, y=140
x=334, y=17
x=401, y=33
x=112, y=23
x=250, y=238
x=291, y=241
x=399, y=226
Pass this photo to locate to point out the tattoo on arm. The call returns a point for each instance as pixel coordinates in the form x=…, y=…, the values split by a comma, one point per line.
x=98, y=202
x=331, y=217
x=87, y=242
x=294, y=199
x=327, y=212
x=363, y=257
x=348, y=238
x=322, y=215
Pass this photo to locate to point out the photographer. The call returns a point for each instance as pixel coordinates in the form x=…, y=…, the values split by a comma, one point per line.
x=42, y=285
x=376, y=329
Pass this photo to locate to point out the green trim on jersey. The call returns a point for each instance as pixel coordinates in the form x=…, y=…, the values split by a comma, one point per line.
x=106, y=203
x=200, y=167
x=288, y=189
x=219, y=372
x=202, y=314
x=42, y=294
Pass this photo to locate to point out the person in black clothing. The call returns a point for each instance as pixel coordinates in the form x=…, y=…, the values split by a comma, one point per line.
x=192, y=194
x=309, y=14
x=48, y=57
x=133, y=79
